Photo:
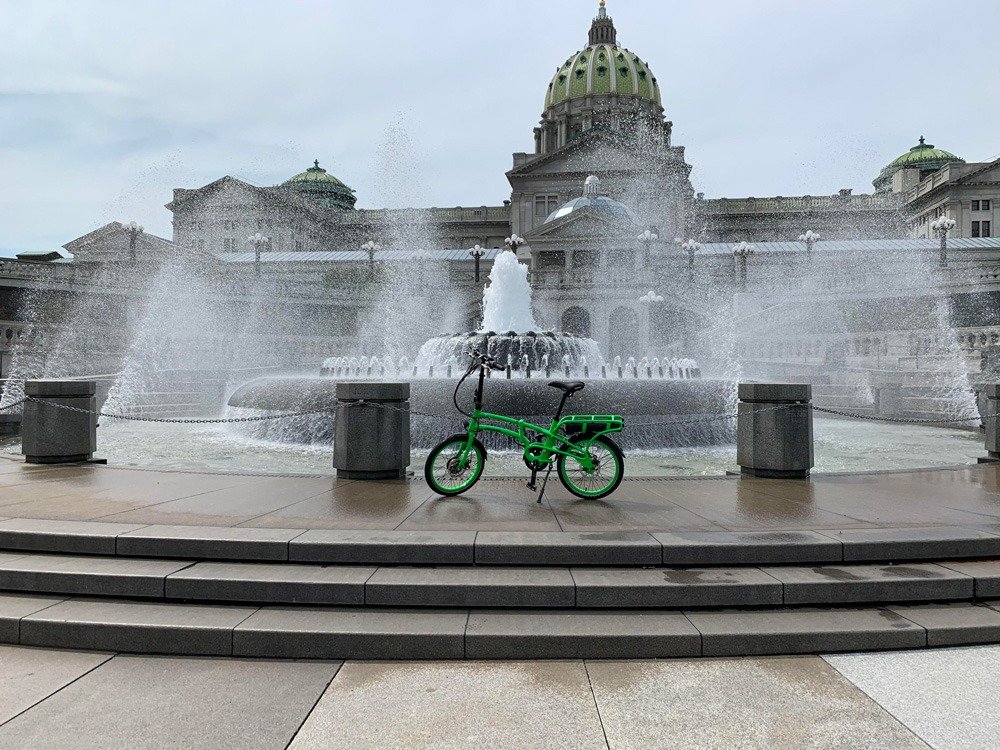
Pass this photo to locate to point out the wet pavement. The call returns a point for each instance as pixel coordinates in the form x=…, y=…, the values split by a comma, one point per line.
x=966, y=496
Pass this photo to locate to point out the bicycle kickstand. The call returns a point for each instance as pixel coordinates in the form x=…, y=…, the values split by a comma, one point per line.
x=545, y=481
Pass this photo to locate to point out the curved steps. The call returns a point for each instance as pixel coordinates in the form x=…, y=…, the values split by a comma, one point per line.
x=463, y=594
x=358, y=633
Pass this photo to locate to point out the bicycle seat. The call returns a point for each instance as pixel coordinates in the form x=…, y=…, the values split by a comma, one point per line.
x=569, y=386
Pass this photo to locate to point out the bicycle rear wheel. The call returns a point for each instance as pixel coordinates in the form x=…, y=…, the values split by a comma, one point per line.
x=442, y=470
x=607, y=474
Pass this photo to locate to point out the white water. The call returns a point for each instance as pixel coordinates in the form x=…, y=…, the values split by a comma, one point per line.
x=507, y=300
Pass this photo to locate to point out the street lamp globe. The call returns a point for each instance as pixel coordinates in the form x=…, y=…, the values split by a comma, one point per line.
x=514, y=242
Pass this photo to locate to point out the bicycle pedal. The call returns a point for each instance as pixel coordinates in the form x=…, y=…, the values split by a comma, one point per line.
x=532, y=486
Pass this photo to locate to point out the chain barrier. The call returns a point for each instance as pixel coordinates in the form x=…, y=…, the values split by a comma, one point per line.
x=176, y=420
x=700, y=419
x=13, y=404
x=904, y=420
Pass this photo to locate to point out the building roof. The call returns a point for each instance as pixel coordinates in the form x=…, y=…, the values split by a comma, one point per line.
x=344, y=256
x=321, y=187
x=847, y=246
x=602, y=68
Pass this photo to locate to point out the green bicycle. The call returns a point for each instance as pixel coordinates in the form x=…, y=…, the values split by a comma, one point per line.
x=589, y=463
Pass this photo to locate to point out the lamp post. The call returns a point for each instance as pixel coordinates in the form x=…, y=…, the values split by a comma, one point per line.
x=942, y=225
x=258, y=241
x=477, y=252
x=809, y=237
x=371, y=248
x=514, y=242
x=742, y=252
x=690, y=247
x=132, y=230
x=647, y=238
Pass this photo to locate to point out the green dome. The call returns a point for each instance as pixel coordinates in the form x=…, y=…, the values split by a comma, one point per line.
x=321, y=187
x=602, y=69
x=923, y=156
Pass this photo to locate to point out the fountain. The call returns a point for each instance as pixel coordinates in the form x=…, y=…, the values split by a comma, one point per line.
x=666, y=404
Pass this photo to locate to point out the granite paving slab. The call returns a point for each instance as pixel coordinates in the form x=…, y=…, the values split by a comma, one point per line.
x=914, y=543
x=675, y=587
x=946, y=696
x=67, y=537
x=229, y=506
x=751, y=704
x=490, y=506
x=985, y=572
x=208, y=542
x=146, y=627
x=455, y=705
x=566, y=548
x=858, y=583
x=354, y=505
x=140, y=702
x=307, y=633
x=15, y=606
x=803, y=631
x=579, y=634
x=30, y=675
x=271, y=583
x=104, y=576
x=954, y=624
x=471, y=587
x=364, y=546
x=746, y=547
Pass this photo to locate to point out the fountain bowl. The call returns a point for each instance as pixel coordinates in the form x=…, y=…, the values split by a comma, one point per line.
x=658, y=413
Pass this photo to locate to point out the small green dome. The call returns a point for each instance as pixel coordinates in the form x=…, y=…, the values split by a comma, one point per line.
x=924, y=156
x=321, y=187
x=602, y=69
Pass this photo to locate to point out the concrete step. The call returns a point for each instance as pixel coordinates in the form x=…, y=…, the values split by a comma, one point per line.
x=125, y=625
x=495, y=586
x=503, y=548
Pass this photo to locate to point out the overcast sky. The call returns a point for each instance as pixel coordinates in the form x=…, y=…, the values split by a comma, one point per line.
x=107, y=106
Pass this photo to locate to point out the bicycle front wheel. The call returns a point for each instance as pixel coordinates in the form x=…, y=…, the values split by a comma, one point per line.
x=603, y=479
x=443, y=470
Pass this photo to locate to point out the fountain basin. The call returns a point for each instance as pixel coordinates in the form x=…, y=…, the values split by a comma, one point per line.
x=645, y=404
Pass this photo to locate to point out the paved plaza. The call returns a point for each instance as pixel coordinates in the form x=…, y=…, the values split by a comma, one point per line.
x=943, y=699
x=967, y=496
x=909, y=698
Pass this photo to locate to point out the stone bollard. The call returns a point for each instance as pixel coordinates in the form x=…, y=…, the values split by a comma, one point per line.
x=774, y=430
x=889, y=401
x=990, y=419
x=371, y=442
x=53, y=435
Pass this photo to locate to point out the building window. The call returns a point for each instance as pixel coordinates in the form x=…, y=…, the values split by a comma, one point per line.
x=975, y=229
x=975, y=205
x=545, y=204
x=985, y=228
x=985, y=205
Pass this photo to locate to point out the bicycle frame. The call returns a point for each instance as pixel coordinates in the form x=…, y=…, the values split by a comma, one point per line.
x=552, y=443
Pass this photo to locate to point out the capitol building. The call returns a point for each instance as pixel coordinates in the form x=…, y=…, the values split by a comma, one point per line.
x=620, y=244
